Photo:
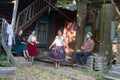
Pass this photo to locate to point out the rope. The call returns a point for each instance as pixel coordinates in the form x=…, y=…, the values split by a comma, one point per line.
x=58, y=10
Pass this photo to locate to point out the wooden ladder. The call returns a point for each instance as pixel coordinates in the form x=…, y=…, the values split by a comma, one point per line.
x=4, y=40
x=25, y=18
x=30, y=14
x=15, y=61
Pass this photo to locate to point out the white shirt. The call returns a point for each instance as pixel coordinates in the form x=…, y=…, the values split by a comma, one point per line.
x=32, y=38
x=59, y=41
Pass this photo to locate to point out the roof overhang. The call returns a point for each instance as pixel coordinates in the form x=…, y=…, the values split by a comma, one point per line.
x=6, y=1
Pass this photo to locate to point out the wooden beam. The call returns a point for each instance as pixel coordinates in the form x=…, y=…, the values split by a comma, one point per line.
x=6, y=1
x=14, y=13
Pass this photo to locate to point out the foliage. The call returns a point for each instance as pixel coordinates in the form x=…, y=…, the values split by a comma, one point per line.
x=3, y=60
x=4, y=63
x=2, y=56
x=63, y=3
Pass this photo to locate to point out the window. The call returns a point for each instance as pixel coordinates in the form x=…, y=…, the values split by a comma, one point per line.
x=42, y=32
x=114, y=30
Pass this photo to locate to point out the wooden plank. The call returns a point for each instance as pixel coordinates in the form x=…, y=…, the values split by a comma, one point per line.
x=26, y=16
x=33, y=11
x=29, y=13
x=31, y=21
x=14, y=13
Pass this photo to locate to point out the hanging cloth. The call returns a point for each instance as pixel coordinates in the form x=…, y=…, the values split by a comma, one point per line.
x=10, y=34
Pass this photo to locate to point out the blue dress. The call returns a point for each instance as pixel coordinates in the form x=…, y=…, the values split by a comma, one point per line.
x=18, y=47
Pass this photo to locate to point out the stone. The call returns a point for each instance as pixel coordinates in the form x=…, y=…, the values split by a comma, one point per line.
x=7, y=70
x=110, y=78
x=21, y=62
x=115, y=74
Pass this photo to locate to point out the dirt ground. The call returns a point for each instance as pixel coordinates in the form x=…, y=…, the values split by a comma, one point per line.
x=46, y=71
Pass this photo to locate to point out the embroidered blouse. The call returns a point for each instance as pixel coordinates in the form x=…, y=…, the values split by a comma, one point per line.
x=89, y=45
x=59, y=41
x=32, y=38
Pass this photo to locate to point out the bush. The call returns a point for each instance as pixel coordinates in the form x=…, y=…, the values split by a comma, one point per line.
x=3, y=60
x=4, y=63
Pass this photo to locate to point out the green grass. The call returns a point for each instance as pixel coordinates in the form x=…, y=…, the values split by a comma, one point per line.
x=97, y=74
x=3, y=60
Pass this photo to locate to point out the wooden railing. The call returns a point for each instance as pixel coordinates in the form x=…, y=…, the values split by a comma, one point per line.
x=4, y=40
x=30, y=13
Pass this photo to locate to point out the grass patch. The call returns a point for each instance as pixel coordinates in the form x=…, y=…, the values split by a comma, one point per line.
x=97, y=74
x=3, y=60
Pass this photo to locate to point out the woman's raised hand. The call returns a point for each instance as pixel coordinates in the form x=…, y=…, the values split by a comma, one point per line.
x=31, y=43
x=50, y=47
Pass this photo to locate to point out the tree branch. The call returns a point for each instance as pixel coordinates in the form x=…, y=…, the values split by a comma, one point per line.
x=116, y=7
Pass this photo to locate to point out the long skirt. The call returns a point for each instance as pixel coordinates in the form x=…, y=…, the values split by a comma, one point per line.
x=32, y=49
x=57, y=54
x=19, y=48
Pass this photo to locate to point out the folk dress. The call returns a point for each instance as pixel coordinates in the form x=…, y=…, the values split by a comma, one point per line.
x=57, y=53
x=19, y=47
x=32, y=49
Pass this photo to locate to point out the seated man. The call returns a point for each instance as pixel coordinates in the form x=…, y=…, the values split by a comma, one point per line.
x=86, y=50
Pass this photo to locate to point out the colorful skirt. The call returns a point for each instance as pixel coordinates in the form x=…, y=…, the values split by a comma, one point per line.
x=19, y=48
x=57, y=54
x=32, y=49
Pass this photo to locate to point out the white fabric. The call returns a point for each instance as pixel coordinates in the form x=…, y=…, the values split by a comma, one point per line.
x=32, y=38
x=10, y=34
x=59, y=41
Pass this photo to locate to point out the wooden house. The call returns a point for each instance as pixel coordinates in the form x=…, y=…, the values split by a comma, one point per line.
x=42, y=16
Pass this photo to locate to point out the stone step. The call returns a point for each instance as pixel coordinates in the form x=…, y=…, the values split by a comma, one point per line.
x=20, y=61
x=17, y=59
x=110, y=78
x=24, y=64
x=115, y=68
x=7, y=70
x=98, y=68
x=114, y=74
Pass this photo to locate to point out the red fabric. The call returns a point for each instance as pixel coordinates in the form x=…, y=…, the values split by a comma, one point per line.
x=55, y=54
x=32, y=49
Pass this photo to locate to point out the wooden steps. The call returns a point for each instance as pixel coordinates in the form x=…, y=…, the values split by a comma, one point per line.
x=21, y=62
x=7, y=70
x=113, y=74
x=110, y=78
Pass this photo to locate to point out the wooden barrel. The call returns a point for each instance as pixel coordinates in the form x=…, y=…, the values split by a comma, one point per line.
x=100, y=63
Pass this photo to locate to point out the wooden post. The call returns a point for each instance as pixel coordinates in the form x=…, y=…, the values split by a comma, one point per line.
x=14, y=13
x=118, y=45
x=14, y=16
x=13, y=23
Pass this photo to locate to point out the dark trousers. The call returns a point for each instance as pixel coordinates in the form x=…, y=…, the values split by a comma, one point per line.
x=84, y=55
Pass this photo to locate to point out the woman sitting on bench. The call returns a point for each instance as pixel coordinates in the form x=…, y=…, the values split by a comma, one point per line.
x=86, y=50
x=20, y=46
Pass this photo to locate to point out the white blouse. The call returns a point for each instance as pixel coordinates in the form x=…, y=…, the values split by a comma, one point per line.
x=59, y=41
x=32, y=38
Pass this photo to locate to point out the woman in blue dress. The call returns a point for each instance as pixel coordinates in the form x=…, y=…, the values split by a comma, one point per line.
x=20, y=46
x=57, y=54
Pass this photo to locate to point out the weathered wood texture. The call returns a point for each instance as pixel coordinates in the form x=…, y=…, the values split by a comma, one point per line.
x=30, y=14
x=4, y=41
x=81, y=21
x=108, y=15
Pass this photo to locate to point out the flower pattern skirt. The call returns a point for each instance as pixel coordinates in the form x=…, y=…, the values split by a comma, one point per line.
x=57, y=54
